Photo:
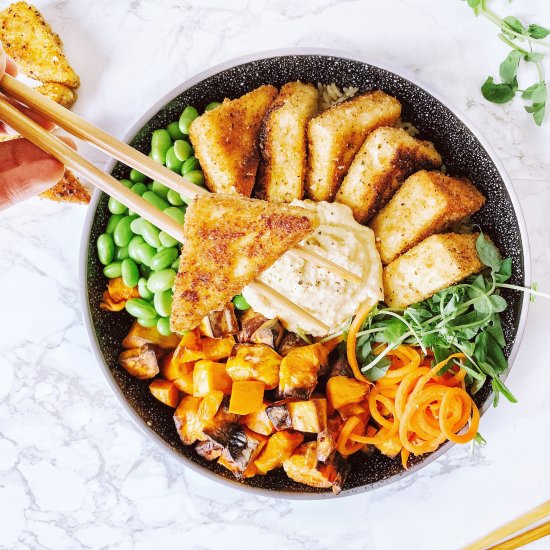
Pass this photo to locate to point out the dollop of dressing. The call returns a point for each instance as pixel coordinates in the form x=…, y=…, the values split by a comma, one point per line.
x=325, y=295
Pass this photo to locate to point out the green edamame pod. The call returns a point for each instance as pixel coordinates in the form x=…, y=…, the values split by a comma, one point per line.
x=148, y=323
x=187, y=117
x=112, y=223
x=116, y=207
x=174, y=198
x=163, y=302
x=182, y=149
x=174, y=130
x=150, y=233
x=160, y=143
x=136, y=176
x=164, y=258
x=155, y=200
x=144, y=292
x=212, y=106
x=121, y=253
x=129, y=272
x=172, y=161
x=192, y=163
x=123, y=234
x=138, y=307
x=196, y=177
x=163, y=326
x=113, y=270
x=160, y=189
x=139, y=188
x=240, y=303
x=161, y=280
x=175, y=213
x=132, y=247
x=167, y=240
x=106, y=249
x=145, y=253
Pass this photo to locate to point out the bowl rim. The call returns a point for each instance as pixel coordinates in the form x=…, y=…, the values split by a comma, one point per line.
x=130, y=133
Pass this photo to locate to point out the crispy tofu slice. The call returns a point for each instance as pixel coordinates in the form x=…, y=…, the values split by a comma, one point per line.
x=388, y=156
x=436, y=263
x=59, y=93
x=68, y=189
x=226, y=141
x=335, y=136
x=282, y=170
x=426, y=203
x=229, y=241
x=30, y=41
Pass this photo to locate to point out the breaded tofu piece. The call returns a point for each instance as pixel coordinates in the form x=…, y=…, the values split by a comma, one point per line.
x=30, y=41
x=68, y=189
x=229, y=241
x=59, y=93
x=388, y=156
x=426, y=203
x=436, y=263
x=335, y=136
x=226, y=141
x=282, y=169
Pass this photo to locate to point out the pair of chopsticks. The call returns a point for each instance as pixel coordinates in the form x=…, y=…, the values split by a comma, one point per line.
x=84, y=130
x=505, y=538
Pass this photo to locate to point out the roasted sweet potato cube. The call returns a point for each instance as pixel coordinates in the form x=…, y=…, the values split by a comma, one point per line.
x=242, y=449
x=217, y=348
x=279, y=415
x=259, y=421
x=209, y=376
x=172, y=369
x=209, y=449
x=308, y=416
x=342, y=390
x=279, y=448
x=246, y=396
x=185, y=383
x=269, y=333
x=299, y=371
x=209, y=406
x=166, y=392
x=326, y=439
x=391, y=447
x=355, y=409
x=255, y=362
x=189, y=348
x=187, y=420
x=140, y=362
x=220, y=323
x=139, y=336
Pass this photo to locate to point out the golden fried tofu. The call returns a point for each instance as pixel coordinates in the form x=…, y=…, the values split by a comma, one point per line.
x=283, y=143
x=59, y=93
x=229, y=241
x=68, y=189
x=388, y=156
x=226, y=141
x=426, y=203
x=335, y=136
x=436, y=263
x=30, y=41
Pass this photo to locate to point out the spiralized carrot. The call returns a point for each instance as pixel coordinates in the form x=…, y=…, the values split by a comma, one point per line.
x=345, y=446
x=351, y=342
x=416, y=406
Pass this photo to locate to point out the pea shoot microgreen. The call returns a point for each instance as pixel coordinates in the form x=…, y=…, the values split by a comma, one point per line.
x=513, y=32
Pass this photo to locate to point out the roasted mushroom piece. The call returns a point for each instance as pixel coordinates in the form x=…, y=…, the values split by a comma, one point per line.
x=288, y=342
x=220, y=323
x=251, y=321
x=140, y=362
x=269, y=333
x=308, y=416
x=209, y=449
x=241, y=450
x=341, y=367
x=279, y=415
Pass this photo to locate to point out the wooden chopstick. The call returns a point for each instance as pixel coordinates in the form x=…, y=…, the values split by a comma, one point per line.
x=82, y=129
x=524, y=538
x=522, y=522
x=71, y=159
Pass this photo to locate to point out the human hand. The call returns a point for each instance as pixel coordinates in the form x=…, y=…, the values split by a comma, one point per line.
x=25, y=170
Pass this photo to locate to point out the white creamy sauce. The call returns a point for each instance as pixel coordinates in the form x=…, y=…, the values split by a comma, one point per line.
x=325, y=295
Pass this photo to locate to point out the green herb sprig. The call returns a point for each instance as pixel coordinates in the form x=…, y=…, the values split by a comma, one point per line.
x=512, y=32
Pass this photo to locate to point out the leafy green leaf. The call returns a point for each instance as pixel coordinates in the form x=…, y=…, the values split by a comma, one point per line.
x=538, y=32
x=495, y=356
x=476, y=5
x=497, y=93
x=488, y=252
x=505, y=271
x=512, y=23
x=538, y=110
x=378, y=371
x=495, y=330
x=509, y=68
x=481, y=345
x=498, y=386
x=533, y=57
x=479, y=439
x=498, y=303
x=536, y=93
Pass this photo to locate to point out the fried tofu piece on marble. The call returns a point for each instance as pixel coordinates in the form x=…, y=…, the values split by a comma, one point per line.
x=426, y=203
x=282, y=170
x=436, y=263
x=229, y=241
x=59, y=93
x=226, y=141
x=388, y=156
x=31, y=42
x=335, y=136
x=68, y=189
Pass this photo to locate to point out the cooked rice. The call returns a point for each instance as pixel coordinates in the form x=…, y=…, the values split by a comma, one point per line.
x=332, y=95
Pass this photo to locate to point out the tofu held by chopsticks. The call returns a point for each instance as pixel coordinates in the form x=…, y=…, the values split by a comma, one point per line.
x=229, y=241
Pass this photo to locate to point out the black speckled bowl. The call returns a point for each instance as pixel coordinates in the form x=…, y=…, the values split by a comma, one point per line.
x=464, y=152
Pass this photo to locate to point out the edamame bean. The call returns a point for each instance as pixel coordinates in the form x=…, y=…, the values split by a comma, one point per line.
x=106, y=249
x=136, y=176
x=176, y=214
x=155, y=200
x=240, y=303
x=176, y=264
x=112, y=223
x=196, y=177
x=174, y=198
x=212, y=106
x=113, y=270
x=167, y=240
x=127, y=183
x=164, y=258
x=144, y=292
x=192, y=163
x=132, y=248
x=163, y=326
x=148, y=323
x=138, y=307
x=145, y=270
x=187, y=117
x=174, y=130
x=150, y=233
x=123, y=234
x=160, y=143
x=163, y=302
x=172, y=161
x=139, y=188
x=161, y=280
x=182, y=149
x=160, y=189
x=145, y=253
x=116, y=207
x=129, y=272
x=121, y=253
x=136, y=226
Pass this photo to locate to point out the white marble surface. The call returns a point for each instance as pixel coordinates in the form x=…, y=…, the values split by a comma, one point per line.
x=75, y=472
